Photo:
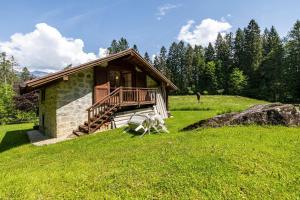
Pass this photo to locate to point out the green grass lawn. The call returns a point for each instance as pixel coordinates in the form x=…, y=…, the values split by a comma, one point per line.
x=225, y=163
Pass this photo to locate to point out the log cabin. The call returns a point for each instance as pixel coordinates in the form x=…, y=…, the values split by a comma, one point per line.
x=99, y=95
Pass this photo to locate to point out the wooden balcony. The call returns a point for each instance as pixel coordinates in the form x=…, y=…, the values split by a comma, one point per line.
x=100, y=112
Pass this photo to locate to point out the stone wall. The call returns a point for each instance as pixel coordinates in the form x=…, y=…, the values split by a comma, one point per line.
x=47, y=108
x=65, y=104
x=74, y=96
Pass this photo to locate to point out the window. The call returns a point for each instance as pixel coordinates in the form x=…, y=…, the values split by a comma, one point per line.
x=120, y=78
x=114, y=79
x=126, y=79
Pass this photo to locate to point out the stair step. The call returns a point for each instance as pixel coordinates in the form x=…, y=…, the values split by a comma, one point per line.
x=83, y=128
x=78, y=133
x=97, y=121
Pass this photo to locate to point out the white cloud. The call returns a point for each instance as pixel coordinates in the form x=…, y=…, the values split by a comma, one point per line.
x=203, y=33
x=103, y=52
x=46, y=49
x=162, y=10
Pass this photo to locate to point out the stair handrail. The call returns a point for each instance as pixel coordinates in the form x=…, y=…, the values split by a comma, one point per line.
x=98, y=104
x=104, y=99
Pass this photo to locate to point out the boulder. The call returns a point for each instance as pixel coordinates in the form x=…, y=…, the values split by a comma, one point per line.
x=267, y=114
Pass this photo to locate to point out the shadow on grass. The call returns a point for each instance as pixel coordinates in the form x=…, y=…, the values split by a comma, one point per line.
x=138, y=134
x=13, y=139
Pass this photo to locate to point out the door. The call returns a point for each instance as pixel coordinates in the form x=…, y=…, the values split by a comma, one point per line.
x=102, y=86
x=101, y=91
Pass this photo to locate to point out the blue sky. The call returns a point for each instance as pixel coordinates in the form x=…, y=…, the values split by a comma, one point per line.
x=149, y=24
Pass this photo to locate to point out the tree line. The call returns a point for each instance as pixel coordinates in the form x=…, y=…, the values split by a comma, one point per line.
x=15, y=108
x=249, y=62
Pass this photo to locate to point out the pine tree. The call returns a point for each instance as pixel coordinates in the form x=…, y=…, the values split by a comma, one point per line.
x=114, y=47
x=160, y=62
x=253, y=56
x=224, y=57
x=147, y=57
x=156, y=63
x=265, y=42
x=239, y=49
x=123, y=44
x=163, y=61
x=271, y=71
x=182, y=70
x=209, y=53
x=135, y=48
x=188, y=83
x=117, y=46
x=198, y=74
x=292, y=63
x=173, y=63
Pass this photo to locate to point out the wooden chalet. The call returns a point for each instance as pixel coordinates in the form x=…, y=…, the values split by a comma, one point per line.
x=100, y=94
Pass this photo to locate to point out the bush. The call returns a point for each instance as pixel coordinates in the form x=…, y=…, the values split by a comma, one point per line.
x=11, y=113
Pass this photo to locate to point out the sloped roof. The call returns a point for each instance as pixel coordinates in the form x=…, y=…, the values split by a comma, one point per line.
x=48, y=79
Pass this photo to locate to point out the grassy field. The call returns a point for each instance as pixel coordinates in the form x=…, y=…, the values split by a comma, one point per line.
x=226, y=163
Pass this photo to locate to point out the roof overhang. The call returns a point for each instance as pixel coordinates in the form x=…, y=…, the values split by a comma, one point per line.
x=49, y=79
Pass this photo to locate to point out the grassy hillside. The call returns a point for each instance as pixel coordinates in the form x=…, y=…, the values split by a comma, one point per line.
x=241, y=162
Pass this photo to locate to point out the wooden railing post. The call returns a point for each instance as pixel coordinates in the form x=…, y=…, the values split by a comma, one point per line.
x=138, y=96
x=121, y=95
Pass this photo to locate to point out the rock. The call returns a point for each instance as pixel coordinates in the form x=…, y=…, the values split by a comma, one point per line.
x=267, y=114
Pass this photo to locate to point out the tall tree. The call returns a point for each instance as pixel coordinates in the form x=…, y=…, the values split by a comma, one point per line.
x=181, y=77
x=173, y=63
x=188, y=83
x=223, y=49
x=163, y=61
x=123, y=44
x=271, y=71
x=114, y=47
x=117, y=46
x=209, y=53
x=7, y=75
x=292, y=69
x=147, y=57
x=253, y=56
x=239, y=49
x=160, y=62
x=135, y=48
x=198, y=74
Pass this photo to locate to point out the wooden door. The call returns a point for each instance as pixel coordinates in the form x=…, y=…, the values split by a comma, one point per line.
x=101, y=91
x=102, y=86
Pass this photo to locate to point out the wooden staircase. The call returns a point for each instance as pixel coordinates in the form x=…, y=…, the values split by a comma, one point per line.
x=101, y=112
